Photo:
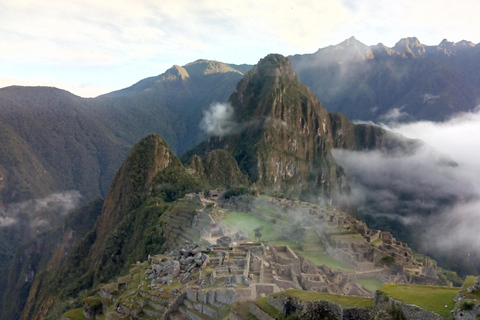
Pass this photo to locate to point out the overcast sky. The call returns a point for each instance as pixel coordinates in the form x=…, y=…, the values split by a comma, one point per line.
x=91, y=47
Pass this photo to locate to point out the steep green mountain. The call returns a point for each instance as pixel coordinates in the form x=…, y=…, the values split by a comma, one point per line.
x=171, y=104
x=52, y=142
x=282, y=137
x=410, y=81
x=53, y=271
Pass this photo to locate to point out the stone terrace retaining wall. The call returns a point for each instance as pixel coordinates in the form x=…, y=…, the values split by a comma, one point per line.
x=318, y=309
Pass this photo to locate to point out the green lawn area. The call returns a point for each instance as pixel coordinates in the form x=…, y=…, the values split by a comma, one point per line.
x=322, y=257
x=428, y=297
x=371, y=284
x=292, y=245
x=317, y=257
x=245, y=222
x=346, y=301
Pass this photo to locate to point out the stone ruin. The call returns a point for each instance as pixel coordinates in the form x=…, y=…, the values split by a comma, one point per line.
x=201, y=279
x=352, y=242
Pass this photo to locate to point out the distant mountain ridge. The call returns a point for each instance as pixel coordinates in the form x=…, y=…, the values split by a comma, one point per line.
x=410, y=81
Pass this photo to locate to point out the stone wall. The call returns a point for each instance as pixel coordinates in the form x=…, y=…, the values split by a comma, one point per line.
x=265, y=289
x=259, y=313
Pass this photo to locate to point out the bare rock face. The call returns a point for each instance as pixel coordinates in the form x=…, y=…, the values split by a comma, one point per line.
x=285, y=138
x=410, y=47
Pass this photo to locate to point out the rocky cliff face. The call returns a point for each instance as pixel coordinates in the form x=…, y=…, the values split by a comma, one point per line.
x=282, y=137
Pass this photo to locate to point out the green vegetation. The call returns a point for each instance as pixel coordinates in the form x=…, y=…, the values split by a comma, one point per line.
x=322, y=258
x=467, y=305
x=76, y=314
x=428, y=297
x=371, y=284
x=263, y=304
x=345, y=301
x=94, y=302
x=395, y=312
x=386, y=260
x=445, y=277
x=246, y=222
x=285, y=242
x=242, y=309
x=235, y=192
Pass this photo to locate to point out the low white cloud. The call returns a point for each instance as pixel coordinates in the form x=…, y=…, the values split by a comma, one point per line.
x=41, y=212
x=7, y=221
x=435, y=191
x=218, y=120
x=394, y=115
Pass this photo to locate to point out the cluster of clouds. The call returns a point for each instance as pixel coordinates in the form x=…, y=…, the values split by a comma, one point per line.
x=87, y=45
x=218, y=120
x=435, y=190
x=38, y=211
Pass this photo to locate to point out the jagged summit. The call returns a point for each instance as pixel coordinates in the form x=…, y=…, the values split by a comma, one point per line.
x=276, y=65
x=347, y=51
x=272, y=92
x=410, y=46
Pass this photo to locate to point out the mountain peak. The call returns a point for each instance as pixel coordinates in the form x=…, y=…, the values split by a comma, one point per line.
x=350, y=50
x=175, y=73
x=276, y=65
x=410, y=46
x=204, y=67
